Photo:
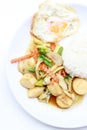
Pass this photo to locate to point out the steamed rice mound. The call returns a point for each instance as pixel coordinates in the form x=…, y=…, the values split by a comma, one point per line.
x=75, y=57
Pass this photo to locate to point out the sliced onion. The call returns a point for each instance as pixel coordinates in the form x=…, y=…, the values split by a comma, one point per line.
x=56, y=58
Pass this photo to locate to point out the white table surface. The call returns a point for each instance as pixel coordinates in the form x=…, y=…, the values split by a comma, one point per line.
x=12, y=117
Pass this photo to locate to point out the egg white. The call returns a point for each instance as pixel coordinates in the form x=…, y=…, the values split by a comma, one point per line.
x=52, y=12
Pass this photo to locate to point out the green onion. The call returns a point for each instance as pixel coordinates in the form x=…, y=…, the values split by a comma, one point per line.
x=46, y=60
x=39, y=83
x=32, y=70
x=47, y=63
x=43, y=51
x=60, y=51
x=67, y=77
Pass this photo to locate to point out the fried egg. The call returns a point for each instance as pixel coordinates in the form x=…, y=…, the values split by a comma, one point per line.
x=54, y=21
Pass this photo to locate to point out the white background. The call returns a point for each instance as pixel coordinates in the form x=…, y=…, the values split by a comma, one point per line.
x=12, y=117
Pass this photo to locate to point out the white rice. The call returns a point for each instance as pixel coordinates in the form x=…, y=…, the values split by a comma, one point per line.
x=75, y=57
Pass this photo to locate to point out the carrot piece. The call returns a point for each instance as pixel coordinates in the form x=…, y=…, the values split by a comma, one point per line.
x=63, y=73
x=43, y=67
x=34, y=53
x=52, y=46
x=21, y=58
x=55, y=79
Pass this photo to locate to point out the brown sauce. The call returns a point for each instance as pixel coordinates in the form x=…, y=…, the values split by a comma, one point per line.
x=78, y=100
x=52, y=101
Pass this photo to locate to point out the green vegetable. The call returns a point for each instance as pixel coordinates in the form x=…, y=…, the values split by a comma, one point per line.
x=60, y=51
x=39, y=83
x=32, y=70
x=67, y=78
x=43, y=51
x=46, y=60
x=47, y=63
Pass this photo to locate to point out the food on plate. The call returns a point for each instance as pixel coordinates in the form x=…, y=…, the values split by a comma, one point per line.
x=55, y=89
x=35, y=92
x=24, y=65
x=49, y=70
x=28, y=80
x=75, y=57
x=56, y=58
x=54, y=21
x=44, y=76
x=80, y=86
x=64, y=100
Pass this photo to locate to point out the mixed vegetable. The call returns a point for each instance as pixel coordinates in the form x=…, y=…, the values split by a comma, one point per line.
x=44, y=74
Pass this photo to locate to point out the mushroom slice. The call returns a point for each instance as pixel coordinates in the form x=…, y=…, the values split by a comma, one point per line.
x=55, y=89
x=80, y=86
x=25, y=64
x=56, y=58
x=64, y=101
x=28, y=80
x=35, y=92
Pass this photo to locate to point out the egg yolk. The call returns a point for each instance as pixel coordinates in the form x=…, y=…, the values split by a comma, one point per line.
x=57, y=27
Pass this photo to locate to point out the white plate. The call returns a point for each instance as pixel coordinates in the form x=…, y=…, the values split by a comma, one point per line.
x=71, y=118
